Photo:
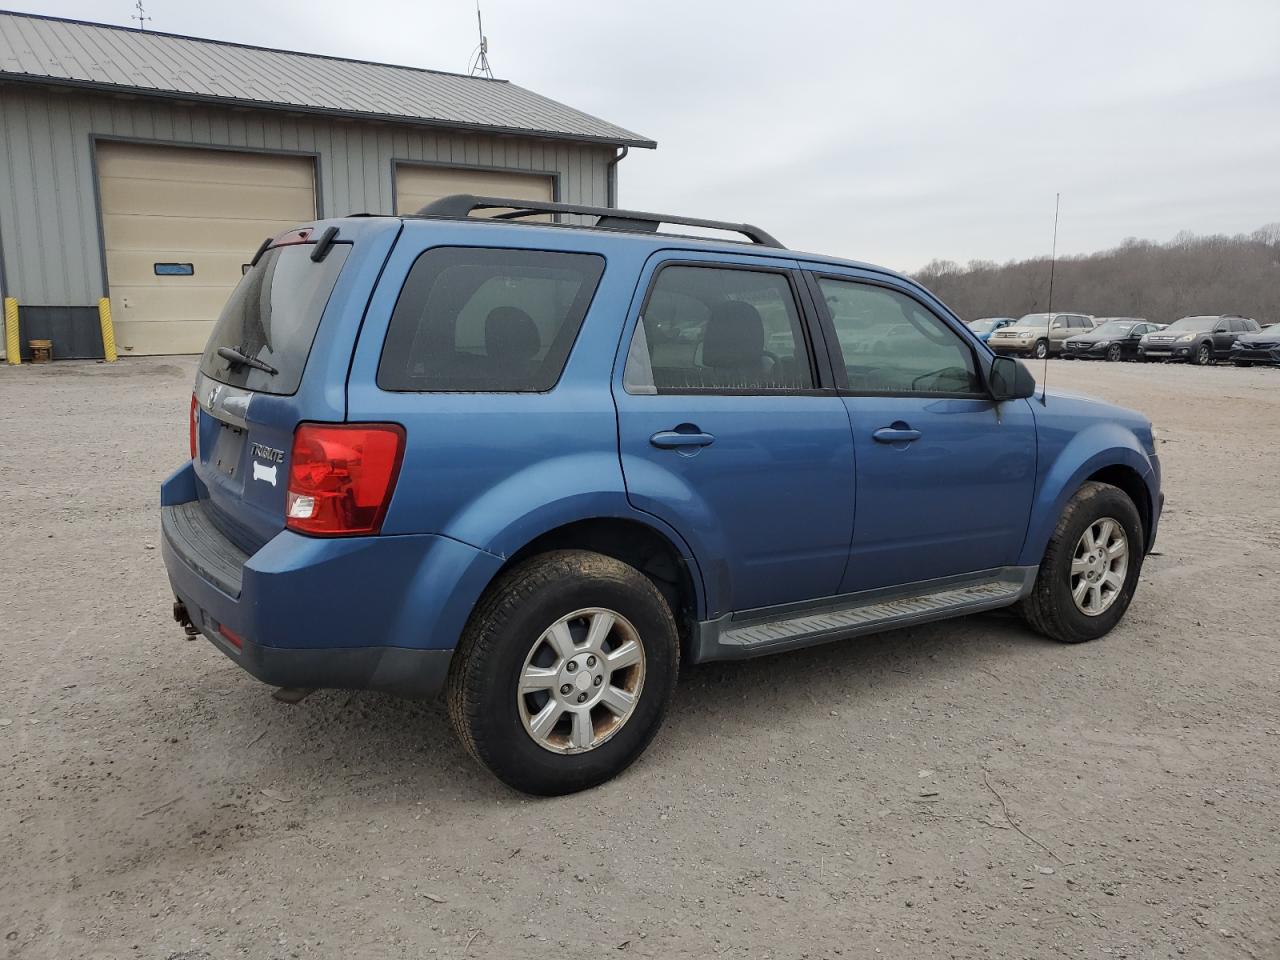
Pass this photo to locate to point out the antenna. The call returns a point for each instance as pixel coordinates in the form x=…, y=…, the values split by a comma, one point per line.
x=480, y=56
x=1053, y=260
x=140, y=16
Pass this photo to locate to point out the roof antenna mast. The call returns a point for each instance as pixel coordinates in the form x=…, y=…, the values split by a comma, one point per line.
x=140, y=16
x=479, y=56
x=1053, y=259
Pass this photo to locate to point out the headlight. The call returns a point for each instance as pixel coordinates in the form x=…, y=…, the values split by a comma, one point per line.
x=1103, y=343
x=1186, y=338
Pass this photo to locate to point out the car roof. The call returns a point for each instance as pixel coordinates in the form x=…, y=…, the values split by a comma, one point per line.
x=494, y=230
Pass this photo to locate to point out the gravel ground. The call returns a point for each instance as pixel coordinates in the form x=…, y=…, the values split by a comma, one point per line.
x=964, y=789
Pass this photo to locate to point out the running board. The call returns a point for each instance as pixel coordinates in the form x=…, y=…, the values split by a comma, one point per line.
x=754, y=633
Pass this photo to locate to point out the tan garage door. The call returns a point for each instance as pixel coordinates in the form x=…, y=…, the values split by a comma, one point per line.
x=178, y=225
x=416, y=186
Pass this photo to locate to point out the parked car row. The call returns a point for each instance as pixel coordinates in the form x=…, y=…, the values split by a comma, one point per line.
x=1200, y=340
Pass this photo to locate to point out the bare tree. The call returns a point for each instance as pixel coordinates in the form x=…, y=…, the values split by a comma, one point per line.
x=1162, y=282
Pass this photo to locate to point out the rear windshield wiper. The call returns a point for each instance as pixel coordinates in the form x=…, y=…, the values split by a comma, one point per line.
x=236, y=358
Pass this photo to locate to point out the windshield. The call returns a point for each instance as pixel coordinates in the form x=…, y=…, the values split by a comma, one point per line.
x=1116, y=327
x=1195, y=324
x=1034, y=320
x=272, y=316
x=986, y=326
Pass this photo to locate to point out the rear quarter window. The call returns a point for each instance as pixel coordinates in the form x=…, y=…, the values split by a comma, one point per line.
x=485, y=320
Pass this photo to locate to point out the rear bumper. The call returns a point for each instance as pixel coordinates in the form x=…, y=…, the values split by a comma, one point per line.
x=398, y=670
x=378, y=613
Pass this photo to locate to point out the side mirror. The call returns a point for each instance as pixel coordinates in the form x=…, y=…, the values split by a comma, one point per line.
x=1010, y=380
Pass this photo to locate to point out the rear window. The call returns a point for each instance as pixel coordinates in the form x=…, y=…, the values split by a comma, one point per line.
x=487, y=320
x=272, y=316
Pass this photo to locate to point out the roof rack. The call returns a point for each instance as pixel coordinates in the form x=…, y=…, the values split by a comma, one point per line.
x=459, y=206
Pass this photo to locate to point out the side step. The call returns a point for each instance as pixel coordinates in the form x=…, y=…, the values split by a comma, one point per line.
x=757, y=632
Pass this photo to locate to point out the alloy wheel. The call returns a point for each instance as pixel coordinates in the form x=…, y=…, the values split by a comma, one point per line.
x=581, y=680
x=1098, y=566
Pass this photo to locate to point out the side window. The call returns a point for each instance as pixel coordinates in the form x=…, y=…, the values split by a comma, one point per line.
x=472, y=319
x=718, y=329
x=889, y=343
x=1080, y=323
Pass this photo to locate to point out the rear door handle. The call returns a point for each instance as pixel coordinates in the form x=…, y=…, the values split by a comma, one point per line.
x=898, y=433
x=675, y=439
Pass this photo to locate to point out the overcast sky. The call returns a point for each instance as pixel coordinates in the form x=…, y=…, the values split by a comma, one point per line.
x=888, y=132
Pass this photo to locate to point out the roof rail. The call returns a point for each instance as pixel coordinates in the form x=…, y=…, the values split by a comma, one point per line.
x=459, y=206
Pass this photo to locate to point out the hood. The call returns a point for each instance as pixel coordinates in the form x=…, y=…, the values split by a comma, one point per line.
x=1076, y=411
x=1269, y=336
x=1093, y=336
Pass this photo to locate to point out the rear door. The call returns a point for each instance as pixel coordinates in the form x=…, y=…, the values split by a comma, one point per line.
x=245, y=415
x=731, y=431
x=945, y=475
x=1224, y=335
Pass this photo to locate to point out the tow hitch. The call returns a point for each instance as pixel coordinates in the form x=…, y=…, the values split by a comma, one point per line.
x=183, y=617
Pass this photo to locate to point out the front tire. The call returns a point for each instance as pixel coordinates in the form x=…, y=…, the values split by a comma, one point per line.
x=1041, y=349
x=1114, y=353
x=564, y=672
x=1204, y=355
x=1090, y=568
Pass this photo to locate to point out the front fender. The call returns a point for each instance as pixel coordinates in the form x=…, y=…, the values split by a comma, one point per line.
x=1101, y=445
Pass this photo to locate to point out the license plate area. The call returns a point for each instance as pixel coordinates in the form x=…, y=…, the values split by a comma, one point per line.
x=228, y=446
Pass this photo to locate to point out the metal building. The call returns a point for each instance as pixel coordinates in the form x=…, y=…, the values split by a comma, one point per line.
x=147, y=167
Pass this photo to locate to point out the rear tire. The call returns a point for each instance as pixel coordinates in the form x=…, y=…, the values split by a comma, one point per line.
x=1040, y=350
x=539, y=620
x=1052, y=607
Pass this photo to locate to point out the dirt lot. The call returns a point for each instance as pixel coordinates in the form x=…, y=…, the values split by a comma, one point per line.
x=965, y=789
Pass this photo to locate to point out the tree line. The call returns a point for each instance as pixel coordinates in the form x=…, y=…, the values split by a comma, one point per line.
x=1161, y=282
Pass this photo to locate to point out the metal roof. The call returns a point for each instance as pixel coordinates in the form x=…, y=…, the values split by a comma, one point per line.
x=123, y=59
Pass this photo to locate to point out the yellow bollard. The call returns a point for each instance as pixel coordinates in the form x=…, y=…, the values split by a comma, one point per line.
x=108, y=331
x=11, y=341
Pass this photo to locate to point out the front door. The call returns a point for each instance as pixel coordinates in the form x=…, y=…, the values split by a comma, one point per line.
x=728, y=434
x=945, y=475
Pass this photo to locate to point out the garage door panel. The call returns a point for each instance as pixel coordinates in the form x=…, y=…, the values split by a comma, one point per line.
x=208, y=166
x=417, y=186
x=215, y=201
x=160, y=337
x=217, y=268
x=160, y=304
x=209, y=208
x=135, y=232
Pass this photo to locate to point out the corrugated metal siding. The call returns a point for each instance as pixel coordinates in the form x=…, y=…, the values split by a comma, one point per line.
x=69, y=51
x=51, y=244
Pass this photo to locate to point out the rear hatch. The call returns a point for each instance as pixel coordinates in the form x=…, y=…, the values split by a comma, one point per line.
x=248, y=397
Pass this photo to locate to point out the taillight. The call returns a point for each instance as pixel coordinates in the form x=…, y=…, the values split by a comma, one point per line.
x=193, y=424
x=341, y=477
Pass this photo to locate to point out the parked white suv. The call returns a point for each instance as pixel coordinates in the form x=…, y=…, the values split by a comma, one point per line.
x=1040, y=334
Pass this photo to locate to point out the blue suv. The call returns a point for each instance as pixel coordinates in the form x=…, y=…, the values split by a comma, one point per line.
x=535, y=465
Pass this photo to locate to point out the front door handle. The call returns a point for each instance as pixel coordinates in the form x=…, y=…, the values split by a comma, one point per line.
x=686, y=435
x=898, y=433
